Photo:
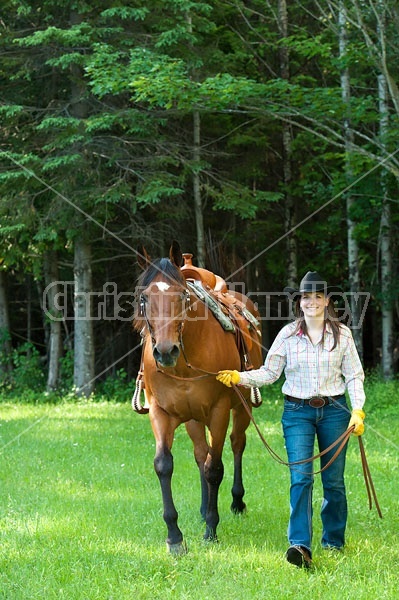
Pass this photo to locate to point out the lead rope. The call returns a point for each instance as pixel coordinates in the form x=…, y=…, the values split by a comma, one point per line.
x=368, y=479
x=340, y=442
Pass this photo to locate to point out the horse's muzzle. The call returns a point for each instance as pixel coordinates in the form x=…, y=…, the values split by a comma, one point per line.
x=166, y=355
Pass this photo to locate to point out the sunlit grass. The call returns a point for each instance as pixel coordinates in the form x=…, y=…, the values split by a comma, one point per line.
x=81, y=514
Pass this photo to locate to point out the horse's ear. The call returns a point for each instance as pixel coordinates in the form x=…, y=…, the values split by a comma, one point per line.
x=143, y=259
x=175, y=254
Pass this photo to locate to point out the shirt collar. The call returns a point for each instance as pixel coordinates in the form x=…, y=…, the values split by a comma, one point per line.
x=326, y=330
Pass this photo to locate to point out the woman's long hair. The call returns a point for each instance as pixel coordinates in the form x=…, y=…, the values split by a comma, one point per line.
x=330, y=317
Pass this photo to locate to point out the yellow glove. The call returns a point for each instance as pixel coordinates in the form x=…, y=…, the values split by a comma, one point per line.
x=228, y=377
x=357, y=420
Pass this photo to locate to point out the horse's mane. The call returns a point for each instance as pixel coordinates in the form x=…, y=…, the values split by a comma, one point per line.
x=162, y=266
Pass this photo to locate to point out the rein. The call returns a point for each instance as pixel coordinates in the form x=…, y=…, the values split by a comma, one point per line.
x=368, y=479
x=341, y=441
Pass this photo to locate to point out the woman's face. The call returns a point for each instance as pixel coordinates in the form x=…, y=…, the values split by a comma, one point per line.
x=313, y=304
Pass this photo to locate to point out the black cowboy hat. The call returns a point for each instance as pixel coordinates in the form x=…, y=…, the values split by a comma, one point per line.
x=313, y=282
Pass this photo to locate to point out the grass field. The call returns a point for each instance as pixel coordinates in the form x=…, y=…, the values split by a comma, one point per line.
x=81, y=515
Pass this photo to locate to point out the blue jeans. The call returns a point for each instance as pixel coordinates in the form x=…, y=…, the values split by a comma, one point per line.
x=302, y=424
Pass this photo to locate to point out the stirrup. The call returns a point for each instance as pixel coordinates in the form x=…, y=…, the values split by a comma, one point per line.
x=138, y=407
x=256, y=398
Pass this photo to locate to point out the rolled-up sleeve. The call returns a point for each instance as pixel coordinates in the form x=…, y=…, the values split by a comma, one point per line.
x=353, y=373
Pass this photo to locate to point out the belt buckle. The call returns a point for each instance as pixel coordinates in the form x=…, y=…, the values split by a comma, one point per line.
x=317, y=402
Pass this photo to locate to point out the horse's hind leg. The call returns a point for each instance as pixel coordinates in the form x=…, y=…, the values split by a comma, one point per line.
x=196, y=431
x=238, y=443
x=214, y=469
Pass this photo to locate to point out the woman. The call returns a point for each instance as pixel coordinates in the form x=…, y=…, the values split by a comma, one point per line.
x=320, y=361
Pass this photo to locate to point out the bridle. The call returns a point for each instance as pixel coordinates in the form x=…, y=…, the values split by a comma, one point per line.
x=185, y=297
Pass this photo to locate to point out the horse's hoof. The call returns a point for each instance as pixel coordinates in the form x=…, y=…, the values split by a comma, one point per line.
x=177, y=549
x=238, y=509
x=211, y=539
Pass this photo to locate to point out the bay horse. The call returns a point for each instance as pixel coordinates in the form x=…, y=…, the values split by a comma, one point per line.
x=184, y=346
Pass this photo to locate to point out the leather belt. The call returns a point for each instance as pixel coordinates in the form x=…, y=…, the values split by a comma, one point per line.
x=316, y=401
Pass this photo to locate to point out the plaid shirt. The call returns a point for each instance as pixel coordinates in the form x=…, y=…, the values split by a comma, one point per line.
x=312, y=370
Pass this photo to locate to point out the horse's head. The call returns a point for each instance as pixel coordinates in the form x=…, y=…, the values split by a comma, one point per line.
x=162, y=298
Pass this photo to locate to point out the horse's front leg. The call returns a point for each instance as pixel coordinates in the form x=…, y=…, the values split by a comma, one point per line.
x=163, y=428
x=238, y=442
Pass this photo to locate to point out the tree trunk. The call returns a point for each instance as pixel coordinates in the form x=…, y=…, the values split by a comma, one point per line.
x=386, y=291
x=83, y=371
x=199, y=217
x=5, y=341
x=51, y=278
x=28, y=283
x=353, y=251
x=289, y=203
x=83, y=336
x=198, y=209
x=387, y=313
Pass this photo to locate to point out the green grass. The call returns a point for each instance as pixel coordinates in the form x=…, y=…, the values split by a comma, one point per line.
x=81, y=514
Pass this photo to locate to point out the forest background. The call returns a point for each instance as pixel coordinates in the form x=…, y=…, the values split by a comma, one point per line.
x=263, y=136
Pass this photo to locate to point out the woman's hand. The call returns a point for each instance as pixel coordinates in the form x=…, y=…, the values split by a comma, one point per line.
x=228, y=377
x=357, y=420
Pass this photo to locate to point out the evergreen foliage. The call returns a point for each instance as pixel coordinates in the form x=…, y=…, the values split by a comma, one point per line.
x=97, y=104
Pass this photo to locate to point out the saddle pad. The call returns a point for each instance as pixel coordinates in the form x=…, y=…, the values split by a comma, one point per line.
x=212, y=304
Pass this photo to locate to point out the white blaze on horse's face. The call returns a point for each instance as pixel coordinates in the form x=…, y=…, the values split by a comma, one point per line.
x=165, y=311
x=162, y=286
